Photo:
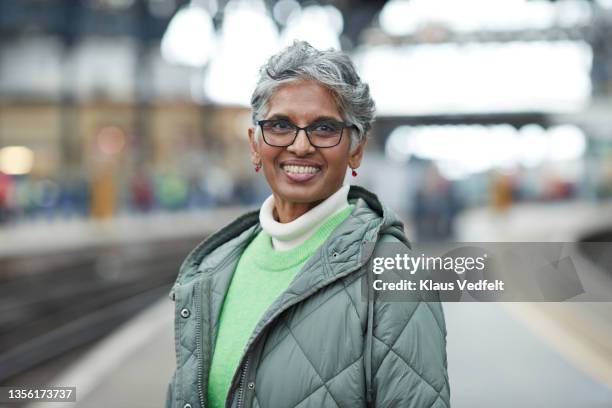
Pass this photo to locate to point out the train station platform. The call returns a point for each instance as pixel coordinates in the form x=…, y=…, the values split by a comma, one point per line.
x=61, y=234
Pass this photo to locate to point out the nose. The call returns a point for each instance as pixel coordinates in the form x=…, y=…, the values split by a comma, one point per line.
x=301, y=145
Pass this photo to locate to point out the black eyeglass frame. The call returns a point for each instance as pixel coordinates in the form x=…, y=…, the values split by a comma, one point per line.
x=306, y=129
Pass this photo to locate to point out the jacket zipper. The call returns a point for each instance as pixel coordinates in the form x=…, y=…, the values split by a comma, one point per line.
x=199, y=342
x=241, y=387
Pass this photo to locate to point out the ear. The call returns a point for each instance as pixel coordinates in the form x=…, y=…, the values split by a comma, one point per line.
x=254, y=147
x=356, y=155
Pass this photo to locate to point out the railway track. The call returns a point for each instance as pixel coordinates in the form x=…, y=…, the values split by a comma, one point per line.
x=52, y=304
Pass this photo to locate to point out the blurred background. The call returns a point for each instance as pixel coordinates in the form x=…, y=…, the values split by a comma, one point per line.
x=123, y=129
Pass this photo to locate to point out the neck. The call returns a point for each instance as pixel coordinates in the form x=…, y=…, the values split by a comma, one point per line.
x=285, y=212
x=289, y=234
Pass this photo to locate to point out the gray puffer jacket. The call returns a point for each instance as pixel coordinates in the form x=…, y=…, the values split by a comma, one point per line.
x=320, y=343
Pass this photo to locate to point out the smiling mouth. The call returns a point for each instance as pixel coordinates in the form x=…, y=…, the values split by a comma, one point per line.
x=293, y=169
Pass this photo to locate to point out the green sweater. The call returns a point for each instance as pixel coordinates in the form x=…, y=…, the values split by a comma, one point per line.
x=262, y=274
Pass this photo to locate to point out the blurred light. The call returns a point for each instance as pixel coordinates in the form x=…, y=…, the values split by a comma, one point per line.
x=102, y=67
x=232, y=74
x=397, y=146
x=321, y=26
x=604, y=3
x=462, y=150
x=335, y=18
x=118, y=4
x=567, y=142
x=16, y=160
x=533, y=145
x=283, y=9
x=451, y=170
x=393, y=17
x=401, y=17
x=490, y=77
x=110, y=140
x=571, y=13
x=33, y=65
x=189, y=38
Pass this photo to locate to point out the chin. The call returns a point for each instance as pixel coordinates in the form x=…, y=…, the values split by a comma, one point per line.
x=301, y=193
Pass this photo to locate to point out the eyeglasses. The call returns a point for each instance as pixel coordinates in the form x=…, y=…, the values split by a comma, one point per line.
x=282, y=133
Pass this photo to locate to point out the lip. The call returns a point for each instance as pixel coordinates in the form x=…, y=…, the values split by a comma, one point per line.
x=302, y=177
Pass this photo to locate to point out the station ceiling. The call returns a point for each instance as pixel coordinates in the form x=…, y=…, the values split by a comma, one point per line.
x=142, y=19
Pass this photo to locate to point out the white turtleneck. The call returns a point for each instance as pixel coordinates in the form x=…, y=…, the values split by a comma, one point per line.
x=289, y=235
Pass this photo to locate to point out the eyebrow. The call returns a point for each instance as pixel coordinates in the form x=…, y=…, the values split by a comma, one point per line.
x=317, y=119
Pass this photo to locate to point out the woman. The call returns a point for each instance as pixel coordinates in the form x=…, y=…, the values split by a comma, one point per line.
x=269, y=311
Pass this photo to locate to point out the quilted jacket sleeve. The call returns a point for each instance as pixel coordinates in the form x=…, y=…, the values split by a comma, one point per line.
x=409, y=367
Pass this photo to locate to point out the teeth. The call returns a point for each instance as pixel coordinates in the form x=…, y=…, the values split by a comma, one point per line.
x=300, y=169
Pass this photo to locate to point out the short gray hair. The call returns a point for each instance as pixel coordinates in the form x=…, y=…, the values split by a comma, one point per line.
x=333, y=69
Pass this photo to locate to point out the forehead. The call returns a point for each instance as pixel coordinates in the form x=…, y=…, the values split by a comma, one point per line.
x=303, y=102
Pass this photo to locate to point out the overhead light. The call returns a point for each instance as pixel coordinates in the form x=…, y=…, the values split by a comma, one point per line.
x=567, y=142
x=490, y=77
x=321, y=26
x=190, y=37
x=16, y=160
x=402, y=17
x=232, y=74
x=462, y=150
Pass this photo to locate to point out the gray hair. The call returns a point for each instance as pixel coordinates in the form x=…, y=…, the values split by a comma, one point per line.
x=333, y=69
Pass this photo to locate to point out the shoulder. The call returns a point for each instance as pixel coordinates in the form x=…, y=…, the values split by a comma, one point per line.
x=407, y=305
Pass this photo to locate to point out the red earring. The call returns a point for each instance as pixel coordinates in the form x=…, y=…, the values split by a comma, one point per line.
x=354, y=173
x=257, y=167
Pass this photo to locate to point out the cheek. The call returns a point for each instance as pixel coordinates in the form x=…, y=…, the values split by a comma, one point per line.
x=268, y=154
x=336, y=163
x=337, y=158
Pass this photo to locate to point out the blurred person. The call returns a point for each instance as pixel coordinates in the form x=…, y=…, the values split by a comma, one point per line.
x=75, y=197
x=143, y=197
x=103, y=195
x=172, y=190
x=435, y=206
x=245, y=191
x=268, y=310
x=6, y=194
x=501, y=192
x=219, y=185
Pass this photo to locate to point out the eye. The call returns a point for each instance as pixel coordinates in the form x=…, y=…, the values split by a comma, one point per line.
x=280, y=125
x=326, y=127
